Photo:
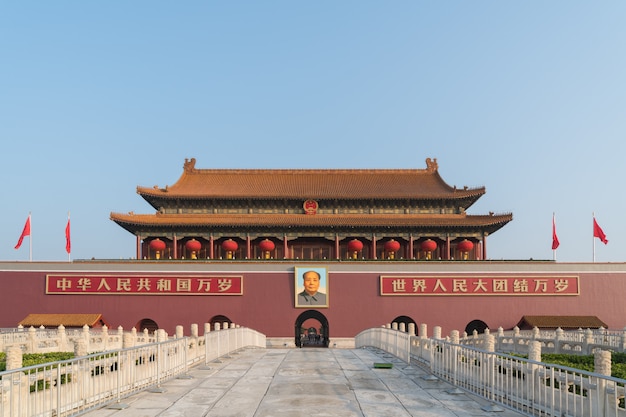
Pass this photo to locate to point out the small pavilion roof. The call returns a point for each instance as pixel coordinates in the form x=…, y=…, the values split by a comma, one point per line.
x=310, y=183
x=65, y=319
x=563, y=322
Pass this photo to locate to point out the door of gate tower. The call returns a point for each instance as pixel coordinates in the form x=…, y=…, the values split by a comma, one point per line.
x=311, y=330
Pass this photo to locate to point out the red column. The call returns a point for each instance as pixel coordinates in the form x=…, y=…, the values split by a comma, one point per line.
x=373, y=246
x=484, y=246
x=448, y=248
x=138, y=251
x=411, y=256
x=248, y=251
x=175, y=243
x=337, y=254
x=285, y=247
x=211, y=247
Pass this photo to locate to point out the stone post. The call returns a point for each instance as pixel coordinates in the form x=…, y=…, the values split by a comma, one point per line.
x=490, y=342
x=437, y=332
x=16, y=386
x=394, y=326
x=32, y=340
x=13, y=358
x=423, y=330
x=80, y=347
x=411, y=329
x=402, y=327
x=62, y=337
x=207, y=328
x=216, y=327
x=535, y=333
x=86, y=336
x=558, y=338
x=161, y=336
x=105, y=337
x=602, y=362
x=179, y=332
x=454, y=337
x=534, y=351
x=587, y=346
x=128, y=340
x=602, y=366
x=194, y=330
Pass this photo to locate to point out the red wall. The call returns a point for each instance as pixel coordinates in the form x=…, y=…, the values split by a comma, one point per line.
x=355, y=303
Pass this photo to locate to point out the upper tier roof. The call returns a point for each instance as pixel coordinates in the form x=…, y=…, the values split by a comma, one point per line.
x=308, y=183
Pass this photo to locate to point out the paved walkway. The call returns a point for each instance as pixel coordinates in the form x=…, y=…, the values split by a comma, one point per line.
x=312, y=382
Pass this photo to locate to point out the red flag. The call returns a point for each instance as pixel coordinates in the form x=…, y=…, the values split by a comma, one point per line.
x=68, y=242
x=555, y=238
x=25, y=232
x=597, y=232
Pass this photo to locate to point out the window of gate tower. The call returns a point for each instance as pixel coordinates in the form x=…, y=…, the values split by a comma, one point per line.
x=312, y=249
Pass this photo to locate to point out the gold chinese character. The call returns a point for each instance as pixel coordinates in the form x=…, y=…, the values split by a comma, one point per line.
x=224, y=284
x=520, y=285
x=479, y=285
x=398, y=285
x=206, y=283
x=459, y=285
x=64, y=284
x=419, y=285
x=84, y=283
x=143, y=284
x=183, y=285
x=500, y=285
x=164, y=285
x=541, y=285
x=104, y=284
x=439, y=285
x=123, y=284
x=561, y=285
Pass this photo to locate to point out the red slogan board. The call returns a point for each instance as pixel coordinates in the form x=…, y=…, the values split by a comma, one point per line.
x=145, y=284
x=479, y=285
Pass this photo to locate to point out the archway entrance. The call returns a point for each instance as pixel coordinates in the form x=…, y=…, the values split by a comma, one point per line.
x=311, y=330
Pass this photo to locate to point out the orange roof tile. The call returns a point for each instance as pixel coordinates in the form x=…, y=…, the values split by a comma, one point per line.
x=307, y=183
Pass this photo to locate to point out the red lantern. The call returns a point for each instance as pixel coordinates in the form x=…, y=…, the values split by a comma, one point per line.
x=158, y=246
x=428, y=245
x=392, y=246
x=193, y=246
x=354, y=247
x=465, y=246
x=229, y=246
x=267, y=246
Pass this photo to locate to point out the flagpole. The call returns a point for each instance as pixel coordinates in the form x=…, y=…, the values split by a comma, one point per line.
x=553, y=232
x=593, y=216
x=30, y=240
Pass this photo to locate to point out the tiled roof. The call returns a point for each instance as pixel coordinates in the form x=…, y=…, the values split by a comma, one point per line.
x=67, y=320
x=308, y=183
x=564, y=322
x=317, y=220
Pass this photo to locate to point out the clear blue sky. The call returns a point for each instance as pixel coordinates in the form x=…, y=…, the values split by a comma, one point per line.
x=525, y=98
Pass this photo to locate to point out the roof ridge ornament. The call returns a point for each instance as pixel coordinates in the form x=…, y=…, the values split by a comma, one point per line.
x=190, y=165
x=431, y=165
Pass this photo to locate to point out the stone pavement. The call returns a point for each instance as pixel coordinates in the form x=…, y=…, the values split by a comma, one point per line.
x=314, y=382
